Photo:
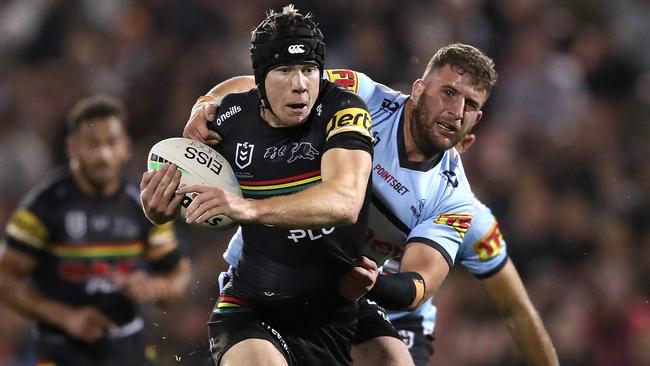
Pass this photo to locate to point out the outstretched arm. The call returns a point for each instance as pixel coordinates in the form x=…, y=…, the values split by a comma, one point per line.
x=507, y=291
x=205, y=109
x=422, y=270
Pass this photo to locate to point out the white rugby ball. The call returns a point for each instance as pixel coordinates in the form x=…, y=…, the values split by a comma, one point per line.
x=198, y=164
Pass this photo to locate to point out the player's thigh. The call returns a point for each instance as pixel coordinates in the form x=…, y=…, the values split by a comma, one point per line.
x=377, y=341
x=253, y=352
x=381, y=351
x=419, y=344
x=239, y=337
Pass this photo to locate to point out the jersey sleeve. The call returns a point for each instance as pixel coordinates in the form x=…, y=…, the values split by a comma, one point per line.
x=162, y=240
x=27, y=230
x=353, y=81
x=445, y=231
x=484, y=250
x=348, y=124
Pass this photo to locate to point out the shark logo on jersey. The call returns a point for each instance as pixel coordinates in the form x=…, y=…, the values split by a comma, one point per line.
x=302, y=150
x=75, y=224
x=244, y=154
x=391, y=107
x=451, y=178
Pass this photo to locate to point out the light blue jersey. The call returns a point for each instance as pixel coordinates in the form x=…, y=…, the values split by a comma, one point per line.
x=429, y=203
x=483, y=253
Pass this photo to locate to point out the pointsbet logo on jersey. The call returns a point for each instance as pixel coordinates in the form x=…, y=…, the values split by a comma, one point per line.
x=459, y=222
x=349, y=120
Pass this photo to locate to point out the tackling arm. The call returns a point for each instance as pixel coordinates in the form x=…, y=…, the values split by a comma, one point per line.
x=422, y=270
x=205, y=109
x=507, y=291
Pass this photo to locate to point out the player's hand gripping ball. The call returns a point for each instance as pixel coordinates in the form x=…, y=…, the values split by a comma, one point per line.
x=198, y=164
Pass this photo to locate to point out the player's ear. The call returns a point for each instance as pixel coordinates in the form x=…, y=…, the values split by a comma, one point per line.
x=478, y=117
x=417, y=90
x=466, y=142
x=128, y=148
x=70, y=146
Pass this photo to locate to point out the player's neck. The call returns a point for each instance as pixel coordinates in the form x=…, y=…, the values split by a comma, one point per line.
x=269, y=117
x=87, y=187
x=413, y=153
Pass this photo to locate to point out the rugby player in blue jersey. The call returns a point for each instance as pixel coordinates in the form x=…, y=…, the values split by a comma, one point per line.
x=399, y=165
x=92, y=256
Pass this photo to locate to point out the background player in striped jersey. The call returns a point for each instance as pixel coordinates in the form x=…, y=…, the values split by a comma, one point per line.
x=505, y=285
x=81, y=237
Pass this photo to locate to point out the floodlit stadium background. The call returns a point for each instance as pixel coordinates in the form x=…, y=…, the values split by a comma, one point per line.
x=561, y=156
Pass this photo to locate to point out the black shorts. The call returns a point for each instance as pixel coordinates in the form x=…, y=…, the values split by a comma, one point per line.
x=302, y=340
x=372, y=322
x=420, y=345
x=60, y=350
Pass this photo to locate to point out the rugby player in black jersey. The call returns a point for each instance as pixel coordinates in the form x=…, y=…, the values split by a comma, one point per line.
x=301, y=149
x=91, y=255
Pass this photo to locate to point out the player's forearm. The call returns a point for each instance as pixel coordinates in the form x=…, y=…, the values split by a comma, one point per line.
x=507, y=291
x=533, y=341
x=30, y=303
x=324, y=205
x=237, y=84
x=172, y=286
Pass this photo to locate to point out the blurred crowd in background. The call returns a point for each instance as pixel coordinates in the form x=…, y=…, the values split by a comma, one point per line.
x=561, y=157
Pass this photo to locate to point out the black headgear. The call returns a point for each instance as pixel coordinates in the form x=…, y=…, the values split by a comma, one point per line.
x=285, y=39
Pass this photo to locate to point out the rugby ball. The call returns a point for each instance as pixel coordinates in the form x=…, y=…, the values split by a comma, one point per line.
x=198, y=164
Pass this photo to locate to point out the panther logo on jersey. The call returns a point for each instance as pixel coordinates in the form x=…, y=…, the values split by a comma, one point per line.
x=459, y=222
x=302, y=150
x=490, y=245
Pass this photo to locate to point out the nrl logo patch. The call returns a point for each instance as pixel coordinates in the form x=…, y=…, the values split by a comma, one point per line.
x=244, y=154
x=75, y=224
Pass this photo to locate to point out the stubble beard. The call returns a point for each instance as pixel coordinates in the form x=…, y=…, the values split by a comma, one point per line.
x=425, y=140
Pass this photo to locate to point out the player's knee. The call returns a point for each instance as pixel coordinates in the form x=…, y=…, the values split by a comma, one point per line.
x=253, y=352
x=385, y=351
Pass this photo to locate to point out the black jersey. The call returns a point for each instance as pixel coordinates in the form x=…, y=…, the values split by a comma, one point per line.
x=81, y=241
x=285, y=264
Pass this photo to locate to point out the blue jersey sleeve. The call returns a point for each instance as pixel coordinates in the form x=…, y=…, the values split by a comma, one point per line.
x=484, y=250
x=446, y=230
